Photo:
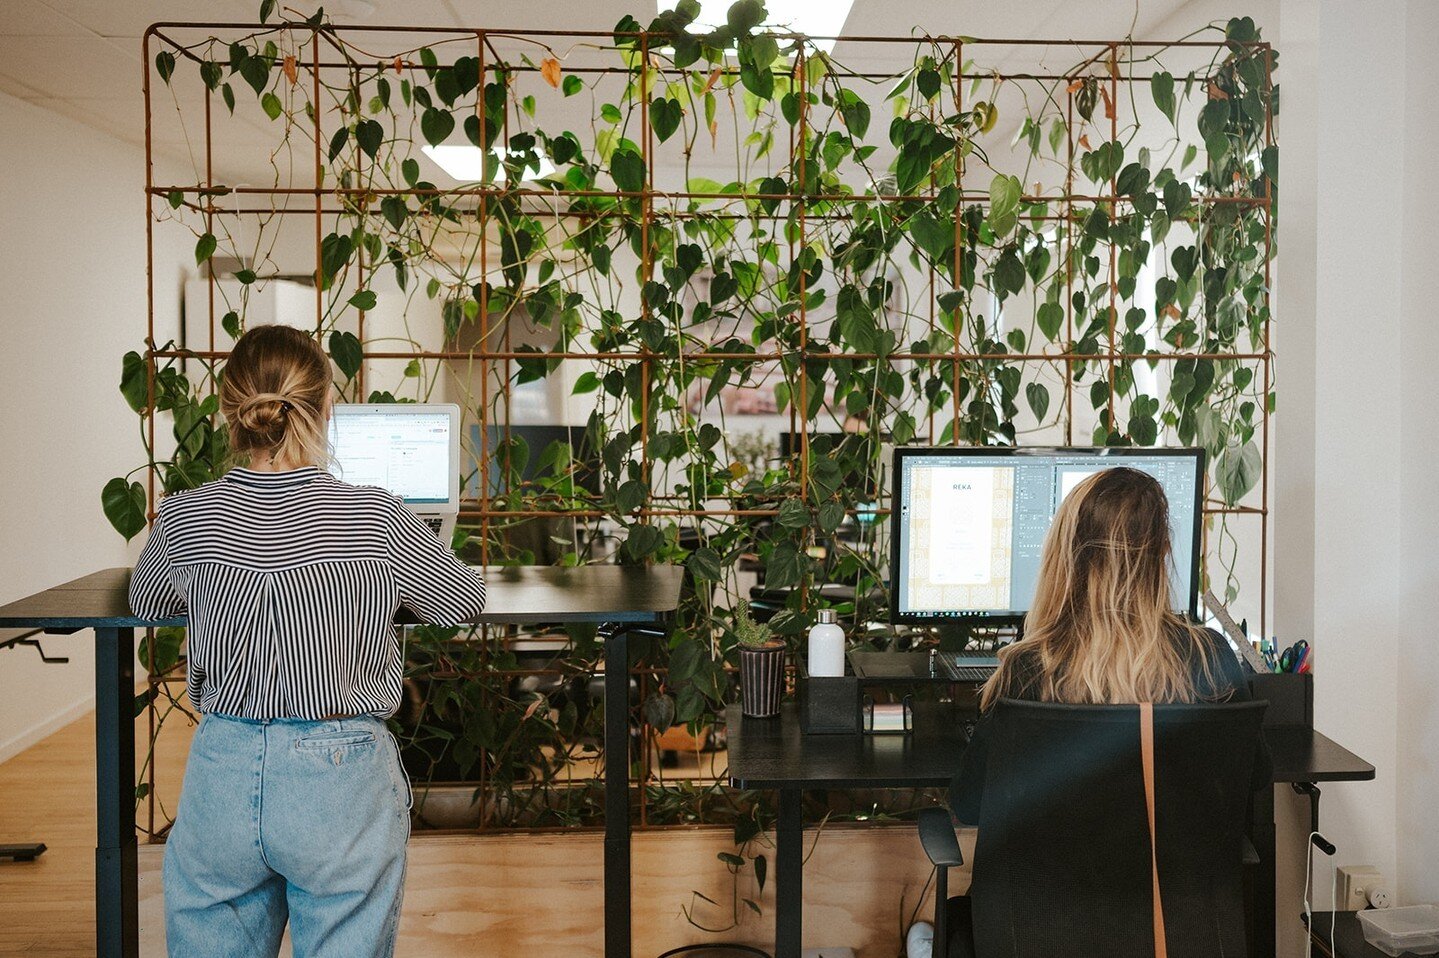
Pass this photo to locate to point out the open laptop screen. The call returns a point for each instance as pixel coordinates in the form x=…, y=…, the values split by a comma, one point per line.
x=404, y=451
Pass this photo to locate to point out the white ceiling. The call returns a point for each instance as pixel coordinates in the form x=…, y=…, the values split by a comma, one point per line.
x=82, y=58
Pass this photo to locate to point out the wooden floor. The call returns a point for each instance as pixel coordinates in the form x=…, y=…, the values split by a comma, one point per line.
x=496, y=895
x=47, y=794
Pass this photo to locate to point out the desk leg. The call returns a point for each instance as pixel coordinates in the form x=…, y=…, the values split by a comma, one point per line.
x=117, y=923
x=1261, y=917
x=789, y=874
x=617, y=794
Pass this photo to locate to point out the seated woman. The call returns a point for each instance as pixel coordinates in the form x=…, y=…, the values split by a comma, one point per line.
x=1101, y=631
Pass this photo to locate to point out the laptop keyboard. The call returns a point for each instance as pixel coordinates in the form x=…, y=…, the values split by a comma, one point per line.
x=435, y=524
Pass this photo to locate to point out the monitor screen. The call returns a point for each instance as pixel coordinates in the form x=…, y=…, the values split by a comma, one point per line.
x=404, y=451
x=969, y=524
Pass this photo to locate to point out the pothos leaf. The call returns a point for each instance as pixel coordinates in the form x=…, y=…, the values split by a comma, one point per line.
x=124, y=505
x=345, y=350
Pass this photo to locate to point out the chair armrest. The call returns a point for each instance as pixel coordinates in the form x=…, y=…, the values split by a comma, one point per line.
x=936, y=835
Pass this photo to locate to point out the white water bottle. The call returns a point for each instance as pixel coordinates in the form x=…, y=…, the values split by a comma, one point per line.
x=826, y=646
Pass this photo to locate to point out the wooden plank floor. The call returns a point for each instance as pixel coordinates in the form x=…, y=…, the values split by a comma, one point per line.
x=496, y=895
x=47, y=794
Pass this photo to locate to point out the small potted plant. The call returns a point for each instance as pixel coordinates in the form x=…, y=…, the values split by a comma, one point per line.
x=761, y=666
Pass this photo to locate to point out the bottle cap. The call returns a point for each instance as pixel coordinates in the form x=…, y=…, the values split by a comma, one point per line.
x=827, y=617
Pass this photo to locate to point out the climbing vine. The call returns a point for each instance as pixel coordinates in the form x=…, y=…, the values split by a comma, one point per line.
x=945, y=254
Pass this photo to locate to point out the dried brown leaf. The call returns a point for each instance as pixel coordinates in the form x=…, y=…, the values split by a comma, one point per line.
x=550, y=70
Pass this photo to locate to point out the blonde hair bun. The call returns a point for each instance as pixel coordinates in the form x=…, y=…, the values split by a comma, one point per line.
x=272, y=395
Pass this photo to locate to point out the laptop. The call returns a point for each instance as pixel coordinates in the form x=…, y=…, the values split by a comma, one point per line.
x=411, y=449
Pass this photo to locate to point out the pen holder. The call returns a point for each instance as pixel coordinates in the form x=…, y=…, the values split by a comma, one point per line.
x=1290, y=696
x=828, y=705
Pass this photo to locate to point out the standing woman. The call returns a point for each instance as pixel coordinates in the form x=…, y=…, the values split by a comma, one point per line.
x=295, y=806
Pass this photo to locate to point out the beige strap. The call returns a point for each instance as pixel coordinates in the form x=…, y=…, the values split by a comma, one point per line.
x=1146, y=744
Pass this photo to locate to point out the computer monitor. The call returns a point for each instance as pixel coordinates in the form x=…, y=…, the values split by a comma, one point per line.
x=537, y=438
x=969, y=524
x=410, y=449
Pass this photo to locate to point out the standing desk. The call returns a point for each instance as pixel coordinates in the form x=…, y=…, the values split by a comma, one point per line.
x=620, y=599
x=774, y=753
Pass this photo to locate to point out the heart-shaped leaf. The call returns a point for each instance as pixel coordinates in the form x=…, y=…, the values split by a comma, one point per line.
x=345, y=350
x=1050, y=318
x=1162, y=86
x=665, y=116
x=628, y=170
x=394, y=210
x=369, y=134
x=1004, y=193
x=436, y=124
x=204, y=248
x=1038, y=398
x=124, y=505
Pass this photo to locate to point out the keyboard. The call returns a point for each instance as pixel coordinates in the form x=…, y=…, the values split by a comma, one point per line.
x=972, y=666
x=434, y=522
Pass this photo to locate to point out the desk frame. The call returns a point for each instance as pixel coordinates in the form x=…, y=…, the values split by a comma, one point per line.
x=1300, y=755
x=60, y=611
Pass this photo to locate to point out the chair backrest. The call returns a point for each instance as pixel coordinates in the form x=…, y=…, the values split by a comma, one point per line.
x=1062, y=864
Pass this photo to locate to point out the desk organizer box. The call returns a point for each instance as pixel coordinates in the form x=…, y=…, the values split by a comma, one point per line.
x=838, y=705
x=1413, y=929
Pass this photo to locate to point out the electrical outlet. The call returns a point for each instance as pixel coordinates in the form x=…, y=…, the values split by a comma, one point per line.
x=1356, y=882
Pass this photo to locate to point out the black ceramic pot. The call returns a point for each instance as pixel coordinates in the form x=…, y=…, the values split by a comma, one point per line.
x=761, y=679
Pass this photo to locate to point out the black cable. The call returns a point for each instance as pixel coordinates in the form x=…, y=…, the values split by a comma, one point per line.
x=747, y=949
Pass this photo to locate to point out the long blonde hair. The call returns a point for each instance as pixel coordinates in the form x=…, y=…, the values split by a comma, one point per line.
x=273, y=395
x=1101, y=629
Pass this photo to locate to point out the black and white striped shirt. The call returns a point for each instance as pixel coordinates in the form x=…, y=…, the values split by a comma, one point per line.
x=291, y=581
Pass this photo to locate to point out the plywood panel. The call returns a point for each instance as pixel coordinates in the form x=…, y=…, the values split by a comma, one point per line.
x=542, y=894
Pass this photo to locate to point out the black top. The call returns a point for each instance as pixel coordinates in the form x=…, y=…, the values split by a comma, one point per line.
x=1221, y=681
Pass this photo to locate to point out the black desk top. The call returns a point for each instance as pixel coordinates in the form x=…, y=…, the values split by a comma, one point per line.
x=1304, y=755
x=774, y=753
x=517, y=595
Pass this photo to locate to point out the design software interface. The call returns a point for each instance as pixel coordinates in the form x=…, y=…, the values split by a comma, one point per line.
x=971, y=527
x=406, y=453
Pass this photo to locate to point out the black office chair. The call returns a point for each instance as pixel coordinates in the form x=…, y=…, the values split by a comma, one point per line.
x=1062, y=863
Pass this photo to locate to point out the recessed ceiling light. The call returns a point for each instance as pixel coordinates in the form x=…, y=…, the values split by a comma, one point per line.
x=820, y=18
x=467, y=163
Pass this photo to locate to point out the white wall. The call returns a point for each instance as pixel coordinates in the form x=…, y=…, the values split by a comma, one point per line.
x=1355, y=494
x=73, y=282
x=1417, y=771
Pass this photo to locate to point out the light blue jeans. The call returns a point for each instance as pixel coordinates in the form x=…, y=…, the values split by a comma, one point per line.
x=292, y=820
